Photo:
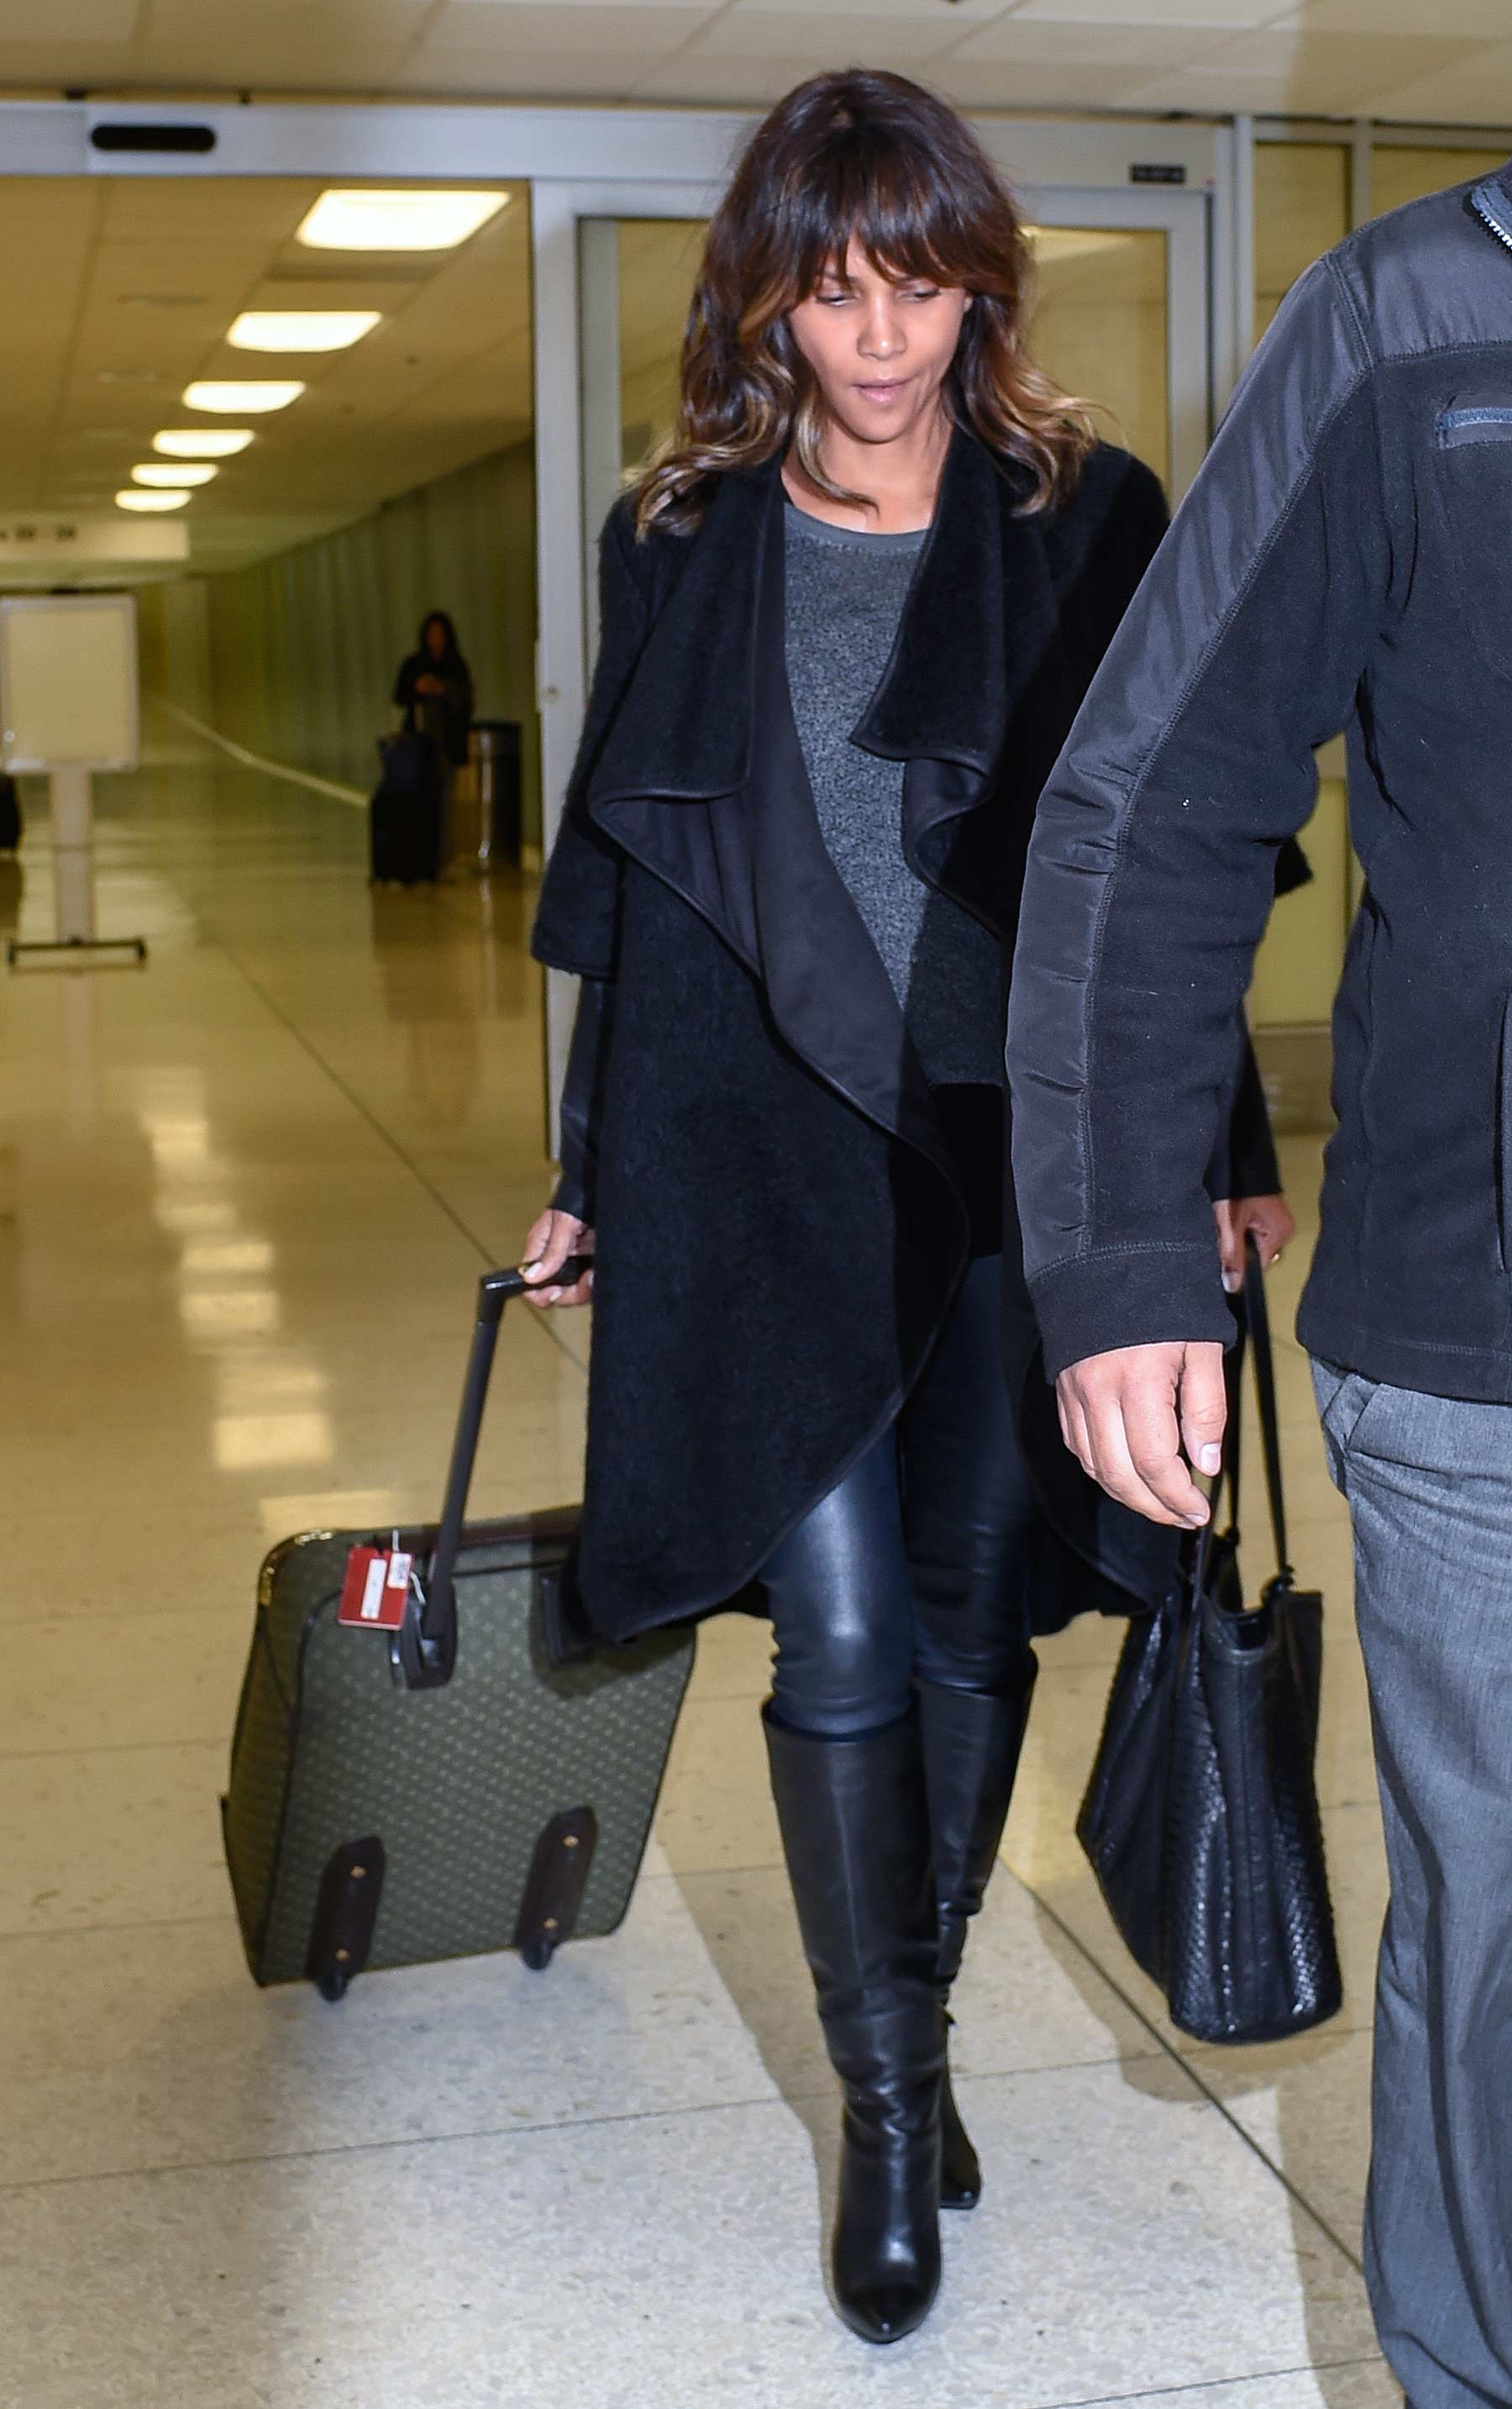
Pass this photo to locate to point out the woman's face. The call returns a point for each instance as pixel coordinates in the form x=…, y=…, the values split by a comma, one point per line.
x=880, y=350
x=434, y=639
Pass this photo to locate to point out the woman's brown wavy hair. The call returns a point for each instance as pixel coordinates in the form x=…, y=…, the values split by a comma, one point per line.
x=875, y=159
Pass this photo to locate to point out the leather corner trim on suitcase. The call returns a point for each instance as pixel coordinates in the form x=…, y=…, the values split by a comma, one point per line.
x=554, y=1886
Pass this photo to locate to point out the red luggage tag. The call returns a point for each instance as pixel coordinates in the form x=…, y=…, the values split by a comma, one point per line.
x=375, y=1589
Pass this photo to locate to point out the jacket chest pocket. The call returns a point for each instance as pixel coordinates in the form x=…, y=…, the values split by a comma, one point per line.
x=1469, y=423
x=1471, y=475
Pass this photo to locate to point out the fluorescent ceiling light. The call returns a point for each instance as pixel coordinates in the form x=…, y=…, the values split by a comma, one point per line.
x=201, y=443
x=169, y=477
x=301, y=330
x=250, y=400
x=136, y=498
x=402, y=220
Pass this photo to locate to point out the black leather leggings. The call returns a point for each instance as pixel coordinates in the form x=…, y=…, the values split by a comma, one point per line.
x=917, y=1567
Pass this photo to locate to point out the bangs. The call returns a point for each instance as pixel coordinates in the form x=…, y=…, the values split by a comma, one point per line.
x=870, y=191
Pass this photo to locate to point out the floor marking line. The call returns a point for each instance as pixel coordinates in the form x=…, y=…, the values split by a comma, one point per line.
x=1221, y=2383
x=779, y=2099
x=91, y=1931
x=1286, y=2182
x=351, y=796
x=394, y=2141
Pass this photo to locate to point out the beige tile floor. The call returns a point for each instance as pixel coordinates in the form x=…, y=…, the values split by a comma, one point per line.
x=243, y=1194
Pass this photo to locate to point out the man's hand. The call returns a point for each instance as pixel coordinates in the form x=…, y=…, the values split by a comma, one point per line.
x=1137, y=1419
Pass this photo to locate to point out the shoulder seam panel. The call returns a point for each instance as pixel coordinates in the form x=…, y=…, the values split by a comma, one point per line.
x=1144, y=772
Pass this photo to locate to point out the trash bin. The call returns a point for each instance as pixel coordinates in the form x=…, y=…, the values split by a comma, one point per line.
x=494, y=751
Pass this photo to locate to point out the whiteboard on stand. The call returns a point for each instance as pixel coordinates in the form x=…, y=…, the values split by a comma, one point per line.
x=69, y=682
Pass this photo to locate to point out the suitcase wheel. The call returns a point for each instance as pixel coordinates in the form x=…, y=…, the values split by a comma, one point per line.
x=333, y=1985
x=538, y=1954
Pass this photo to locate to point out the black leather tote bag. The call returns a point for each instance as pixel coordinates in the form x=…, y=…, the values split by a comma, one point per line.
x=1200, y=1819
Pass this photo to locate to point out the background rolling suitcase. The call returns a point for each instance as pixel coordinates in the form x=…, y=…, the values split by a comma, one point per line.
x=434, y=1784
x=408, y=814
x=10, y=825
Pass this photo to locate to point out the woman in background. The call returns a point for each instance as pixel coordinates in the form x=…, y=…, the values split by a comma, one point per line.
x=434, y=691
x=849, y=613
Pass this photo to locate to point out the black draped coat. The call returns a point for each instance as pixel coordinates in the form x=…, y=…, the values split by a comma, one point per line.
x=780, y=1225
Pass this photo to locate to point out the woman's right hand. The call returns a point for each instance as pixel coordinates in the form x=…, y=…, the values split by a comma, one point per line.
x=551, y=1239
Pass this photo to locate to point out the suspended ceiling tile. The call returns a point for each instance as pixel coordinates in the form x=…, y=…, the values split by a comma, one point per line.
x=522, y=74
x=1006, y=83
x=1230, y=16
x=235, y=209
x=42, y=204
x=28, y=65
x=841, y=41
x=1277, y=73
x=477, y=11
x=97, y=355
x=357, y=21
x=1488, y=18
x=1476, y=90
x=705, y=78
x=831, y=18
x=267, y=61
x=498, y=28
x=273, y=292
x=1338, y=70
x=471, y=425
x=1042, y=41
x=72, y=20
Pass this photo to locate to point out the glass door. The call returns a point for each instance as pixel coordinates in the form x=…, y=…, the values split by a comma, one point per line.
x=636, y=277
x=614, y=265
x=1122, y=317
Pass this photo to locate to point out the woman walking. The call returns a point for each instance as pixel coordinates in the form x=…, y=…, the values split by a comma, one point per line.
x=848, y=614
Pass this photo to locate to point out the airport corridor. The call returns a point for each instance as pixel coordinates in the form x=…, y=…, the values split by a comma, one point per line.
x=244, y=1194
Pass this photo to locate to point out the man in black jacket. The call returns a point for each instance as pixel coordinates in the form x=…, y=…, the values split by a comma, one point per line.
x=1345, y=561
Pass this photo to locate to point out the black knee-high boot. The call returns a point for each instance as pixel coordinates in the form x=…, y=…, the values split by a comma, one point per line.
x=855, y=1825
x=972, y=1747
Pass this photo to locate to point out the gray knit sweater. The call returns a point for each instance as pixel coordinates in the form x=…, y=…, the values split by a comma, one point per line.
x=845, y=597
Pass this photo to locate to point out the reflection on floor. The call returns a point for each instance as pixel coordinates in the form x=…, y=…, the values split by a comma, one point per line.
x=242, y=1196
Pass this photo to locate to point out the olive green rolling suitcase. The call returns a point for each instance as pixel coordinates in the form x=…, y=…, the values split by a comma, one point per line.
x=425, y=1764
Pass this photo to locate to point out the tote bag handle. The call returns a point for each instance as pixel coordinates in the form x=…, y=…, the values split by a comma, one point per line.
x=1255, y=1340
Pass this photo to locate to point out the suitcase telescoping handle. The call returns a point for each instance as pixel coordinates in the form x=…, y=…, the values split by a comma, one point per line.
x=424, y=1649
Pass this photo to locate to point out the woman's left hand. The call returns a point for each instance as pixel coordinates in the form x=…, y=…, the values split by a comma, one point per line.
x=1269, y=1219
